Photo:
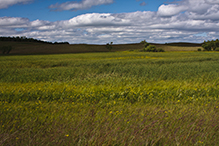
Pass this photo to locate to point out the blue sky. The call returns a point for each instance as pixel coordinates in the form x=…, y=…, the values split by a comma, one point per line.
x=102, y=21
x=39, y=9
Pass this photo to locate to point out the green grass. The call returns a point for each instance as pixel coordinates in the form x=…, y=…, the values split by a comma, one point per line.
x=117, y=98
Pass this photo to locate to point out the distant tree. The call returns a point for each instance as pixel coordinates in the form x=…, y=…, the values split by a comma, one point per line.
x=23, y=39
x=210, y=45
x=217, y=43
x=213, y=45
x=9, y=49
x=65, y=42
x=146, y=44
x=206, y=46
x=143, y=42
x=109, y=46
x=6, y=49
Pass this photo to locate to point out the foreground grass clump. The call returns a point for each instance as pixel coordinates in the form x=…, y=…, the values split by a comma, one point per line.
x=122, y=98
x=64, y=123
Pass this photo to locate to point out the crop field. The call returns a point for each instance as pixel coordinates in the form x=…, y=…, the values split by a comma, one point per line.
x=111, y=98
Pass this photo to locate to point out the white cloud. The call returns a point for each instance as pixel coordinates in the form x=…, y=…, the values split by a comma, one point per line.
x=211, y=14
x=37, y=23
x=7, y=3
x=212, y=1
x=95, y=19
x=72, y=5
x=13, y=22
x=171, y=10
x=197, y=6
x=168, y=24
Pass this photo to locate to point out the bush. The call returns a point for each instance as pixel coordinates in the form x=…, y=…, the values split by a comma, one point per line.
x=146, y=44
x=160, y=50
x=199, y=49
x=217, y=49
x=152, y=48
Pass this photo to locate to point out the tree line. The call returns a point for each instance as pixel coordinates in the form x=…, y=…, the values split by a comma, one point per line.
x=211, y=45
x=7, y=49
x=25, y=39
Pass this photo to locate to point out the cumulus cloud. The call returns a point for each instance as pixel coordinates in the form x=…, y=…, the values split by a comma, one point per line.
x=7, y=3
x=13, y=22
x=171, y=10
x=211, y=14
x=199, y=7
x=212, y=1
x=181, y=21
x=95, y=19
x=84, y=4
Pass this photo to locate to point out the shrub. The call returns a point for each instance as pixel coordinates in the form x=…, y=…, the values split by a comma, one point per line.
x=146, y=44
x=150, y=48
x=199, y=49
x=160, y=50
x=217, y=49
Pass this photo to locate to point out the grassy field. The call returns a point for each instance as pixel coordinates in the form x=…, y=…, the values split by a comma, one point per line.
x=113, y=98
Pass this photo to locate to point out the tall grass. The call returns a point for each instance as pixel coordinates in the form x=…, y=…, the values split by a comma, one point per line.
x=119, y=98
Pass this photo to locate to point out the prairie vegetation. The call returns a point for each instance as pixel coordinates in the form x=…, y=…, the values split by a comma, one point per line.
x=114, y=98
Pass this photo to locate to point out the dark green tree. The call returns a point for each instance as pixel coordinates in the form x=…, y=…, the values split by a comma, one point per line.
x=206, y=46
x=109, y=46
x=146, y=44
x=6, y=49
x=211, y=45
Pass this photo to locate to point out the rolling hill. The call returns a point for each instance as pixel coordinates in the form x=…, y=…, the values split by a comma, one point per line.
x=47, y=48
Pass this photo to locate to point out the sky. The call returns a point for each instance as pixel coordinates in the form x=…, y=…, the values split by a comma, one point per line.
x=117, y=21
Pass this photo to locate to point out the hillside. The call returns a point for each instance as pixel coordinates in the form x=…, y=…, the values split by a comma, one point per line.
x=46, y=48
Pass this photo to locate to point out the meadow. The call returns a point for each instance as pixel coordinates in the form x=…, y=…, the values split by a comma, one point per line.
x=111, y=98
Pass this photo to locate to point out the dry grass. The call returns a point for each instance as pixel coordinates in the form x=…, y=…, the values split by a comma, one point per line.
x=178, y=48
